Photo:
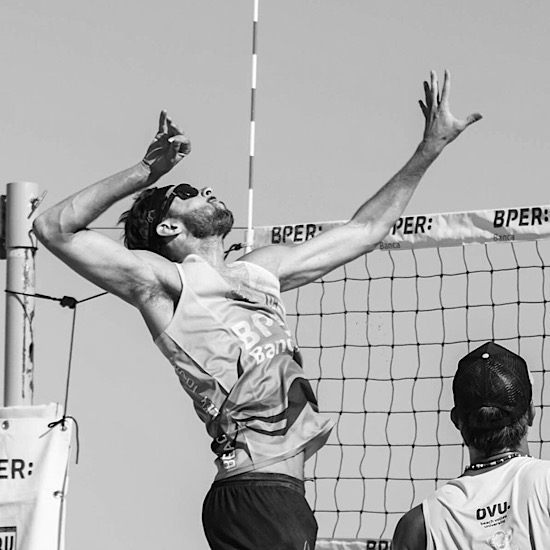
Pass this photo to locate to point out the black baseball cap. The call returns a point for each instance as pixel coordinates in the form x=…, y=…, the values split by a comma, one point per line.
x=492, y=387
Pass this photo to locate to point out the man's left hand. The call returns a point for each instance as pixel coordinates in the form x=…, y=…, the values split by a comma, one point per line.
x=441, y=126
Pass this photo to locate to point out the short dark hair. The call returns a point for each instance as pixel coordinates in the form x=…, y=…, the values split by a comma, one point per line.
x=491, y=441
x=136, y=222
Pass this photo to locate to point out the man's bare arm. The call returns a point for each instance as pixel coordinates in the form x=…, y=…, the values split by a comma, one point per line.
x=410, y=533
x=62, y=228
x=303, y=263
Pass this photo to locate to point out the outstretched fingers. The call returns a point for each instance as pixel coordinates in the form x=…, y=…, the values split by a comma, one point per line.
x=446, y=89
x=431, y=95
x=441, y=126
x=434, y=86
x=427, y=95
x=423, y=108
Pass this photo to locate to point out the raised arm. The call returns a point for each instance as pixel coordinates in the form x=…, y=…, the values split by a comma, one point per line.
x=62, y=228
x=299, y=264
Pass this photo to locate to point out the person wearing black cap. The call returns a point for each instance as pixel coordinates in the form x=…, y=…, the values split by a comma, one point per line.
x=223, y=326
x=502, y=500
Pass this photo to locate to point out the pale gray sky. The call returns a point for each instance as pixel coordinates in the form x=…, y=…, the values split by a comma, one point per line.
x=337, y=115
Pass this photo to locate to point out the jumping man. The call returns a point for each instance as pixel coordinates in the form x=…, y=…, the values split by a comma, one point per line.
x=222, y=325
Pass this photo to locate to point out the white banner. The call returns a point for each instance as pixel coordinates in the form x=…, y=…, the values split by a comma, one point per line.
x=433, y=230
x=34, y=462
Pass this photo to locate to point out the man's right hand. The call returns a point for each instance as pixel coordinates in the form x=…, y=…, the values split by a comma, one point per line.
x=167, y=149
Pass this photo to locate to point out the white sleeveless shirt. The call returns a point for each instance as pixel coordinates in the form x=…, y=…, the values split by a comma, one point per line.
x=507, y=508
x=235, y=356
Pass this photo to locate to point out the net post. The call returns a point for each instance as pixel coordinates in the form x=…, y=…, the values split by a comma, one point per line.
x=21, y=202
x=250, y=231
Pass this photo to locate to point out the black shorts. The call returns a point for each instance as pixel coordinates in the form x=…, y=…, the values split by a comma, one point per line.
x=258, y=511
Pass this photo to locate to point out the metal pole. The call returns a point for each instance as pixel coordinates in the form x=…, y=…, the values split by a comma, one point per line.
x=249, y=236
x=21, y=201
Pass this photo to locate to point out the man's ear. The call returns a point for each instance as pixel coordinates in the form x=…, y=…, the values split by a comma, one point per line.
x=169, y=227
x=531, y=416
x=454, y=418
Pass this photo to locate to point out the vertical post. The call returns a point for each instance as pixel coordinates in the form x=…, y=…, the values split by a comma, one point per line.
x=249, y=236
x=21, y=199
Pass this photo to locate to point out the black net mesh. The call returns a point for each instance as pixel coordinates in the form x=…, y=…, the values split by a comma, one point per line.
x=381, y=339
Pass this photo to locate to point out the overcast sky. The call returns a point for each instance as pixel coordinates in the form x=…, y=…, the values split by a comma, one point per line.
x=337, y=115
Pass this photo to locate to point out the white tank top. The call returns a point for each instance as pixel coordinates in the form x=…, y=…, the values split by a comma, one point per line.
x=507, y=508
x=236, y=358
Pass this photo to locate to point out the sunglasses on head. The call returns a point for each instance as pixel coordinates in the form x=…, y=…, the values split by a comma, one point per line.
x=162, y=201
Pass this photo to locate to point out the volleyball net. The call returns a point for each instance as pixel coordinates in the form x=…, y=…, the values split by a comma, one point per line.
x=381, y=338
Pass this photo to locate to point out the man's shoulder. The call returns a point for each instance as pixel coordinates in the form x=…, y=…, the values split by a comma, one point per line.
x=410, y=533
x=534, y=470
x=267, y=257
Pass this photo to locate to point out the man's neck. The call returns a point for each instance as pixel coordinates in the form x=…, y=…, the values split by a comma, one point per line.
x=477, y=456
x=210, y=249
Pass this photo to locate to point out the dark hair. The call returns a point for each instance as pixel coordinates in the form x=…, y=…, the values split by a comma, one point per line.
x=136, y=222
x=491, y=441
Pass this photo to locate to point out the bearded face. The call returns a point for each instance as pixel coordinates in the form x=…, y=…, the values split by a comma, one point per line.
x=208, y=222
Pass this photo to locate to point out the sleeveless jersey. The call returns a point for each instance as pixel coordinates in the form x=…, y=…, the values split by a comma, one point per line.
x=234, y=355
x=507, y=508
